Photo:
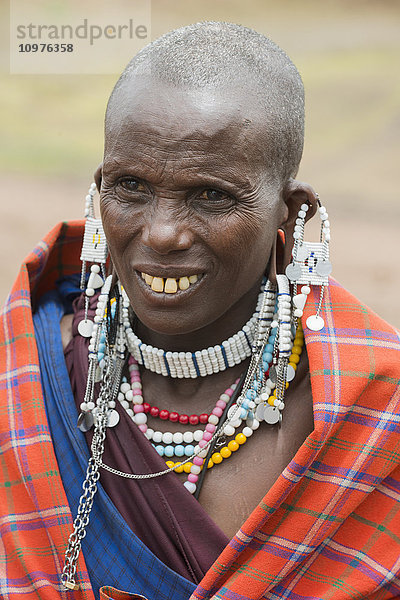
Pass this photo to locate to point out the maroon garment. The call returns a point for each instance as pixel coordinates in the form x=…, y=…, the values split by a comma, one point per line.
x=160, y=511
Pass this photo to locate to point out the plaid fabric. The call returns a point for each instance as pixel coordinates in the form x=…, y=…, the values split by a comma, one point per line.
x=329, y=528
x=35, y=517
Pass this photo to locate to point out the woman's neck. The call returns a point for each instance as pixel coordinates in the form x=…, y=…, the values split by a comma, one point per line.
x=211, y=334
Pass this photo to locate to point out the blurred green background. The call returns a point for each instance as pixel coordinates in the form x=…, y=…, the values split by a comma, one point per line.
x=348, y=54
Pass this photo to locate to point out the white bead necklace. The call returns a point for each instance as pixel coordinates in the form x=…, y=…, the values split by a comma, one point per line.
x=192, y=364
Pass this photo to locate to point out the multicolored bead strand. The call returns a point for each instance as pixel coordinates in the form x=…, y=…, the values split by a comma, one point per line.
x=180, y=444
x=213, y=420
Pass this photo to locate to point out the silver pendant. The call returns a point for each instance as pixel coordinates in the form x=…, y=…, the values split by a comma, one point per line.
x=315, y=323
x=290, y=373
x=112, y=418
x=323, y=268
x=85, y=421
x=85, y=328
x=272, y=415
x=260, y=411
x=221, y=441
x=293, y=272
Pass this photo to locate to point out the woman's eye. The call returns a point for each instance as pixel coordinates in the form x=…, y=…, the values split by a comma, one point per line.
x=132, y=185
x=217, y=198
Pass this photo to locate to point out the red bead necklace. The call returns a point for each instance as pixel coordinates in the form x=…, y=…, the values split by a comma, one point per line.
x=174, y=416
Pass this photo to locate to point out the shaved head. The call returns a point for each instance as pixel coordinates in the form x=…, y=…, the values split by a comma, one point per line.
x=224, y=56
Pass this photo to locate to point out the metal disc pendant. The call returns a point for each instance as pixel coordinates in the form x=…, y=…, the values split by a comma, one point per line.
x=271, y=415
x=323, y=268
x=290, y=373
x=293, y=272
x=85, y=328
x=302, y=253
x=260, y=411
x=112, y=418
x=85, y=421
x=315, y=323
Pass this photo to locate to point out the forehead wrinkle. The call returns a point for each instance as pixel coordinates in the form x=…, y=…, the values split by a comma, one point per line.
x=234, y=147
x=193, y=171
x=193, y=162
x=180, y=135
x=184, y=114
x=160, y=166
x=192, y=175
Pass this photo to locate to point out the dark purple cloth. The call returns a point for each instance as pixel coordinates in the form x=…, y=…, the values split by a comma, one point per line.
x=160, y=511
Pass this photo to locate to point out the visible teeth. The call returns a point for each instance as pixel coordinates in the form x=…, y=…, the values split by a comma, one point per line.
x=184, y=283
x=170, y=286
x=157, y=285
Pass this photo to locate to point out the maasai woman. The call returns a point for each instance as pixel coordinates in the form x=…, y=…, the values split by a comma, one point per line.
x=221, y=456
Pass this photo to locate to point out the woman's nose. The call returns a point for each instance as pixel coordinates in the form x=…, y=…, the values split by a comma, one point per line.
x=166, y=231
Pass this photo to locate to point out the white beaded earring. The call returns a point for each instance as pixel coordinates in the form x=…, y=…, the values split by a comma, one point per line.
x=310, y=265
x=280, y=344
x=94, y=250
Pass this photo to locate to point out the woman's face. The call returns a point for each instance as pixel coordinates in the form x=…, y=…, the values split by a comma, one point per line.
x=185, y=192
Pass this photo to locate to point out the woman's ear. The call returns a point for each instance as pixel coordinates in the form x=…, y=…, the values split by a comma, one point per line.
x=97, y=176
x=295, y=194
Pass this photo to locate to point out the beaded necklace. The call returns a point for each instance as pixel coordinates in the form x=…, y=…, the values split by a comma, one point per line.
x=175, y=417
x=168, y=444
x=260, y=399
x=192, y=364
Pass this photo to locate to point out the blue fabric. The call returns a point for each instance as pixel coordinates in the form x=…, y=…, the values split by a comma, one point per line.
x=69, y=289
x=114, y=554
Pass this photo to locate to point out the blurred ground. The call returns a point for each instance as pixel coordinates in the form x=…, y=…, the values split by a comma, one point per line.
x=349, y=57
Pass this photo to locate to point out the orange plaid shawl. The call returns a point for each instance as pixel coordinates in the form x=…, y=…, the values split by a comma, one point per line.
x=328, y=528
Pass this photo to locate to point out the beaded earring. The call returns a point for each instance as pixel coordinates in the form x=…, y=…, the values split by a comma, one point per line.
x=94, y=250
x=278, y=348
x=106, y=349
x=310, y=265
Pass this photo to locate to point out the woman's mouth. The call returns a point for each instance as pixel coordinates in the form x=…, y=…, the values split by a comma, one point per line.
x=170, y=285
